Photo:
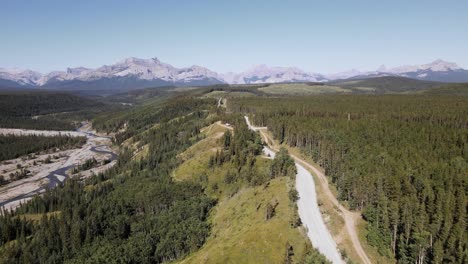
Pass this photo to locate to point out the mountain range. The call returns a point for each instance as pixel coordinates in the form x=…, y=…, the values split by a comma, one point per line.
x=134, y=73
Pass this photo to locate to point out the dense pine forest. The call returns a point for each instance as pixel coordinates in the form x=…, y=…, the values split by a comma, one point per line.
x=133, y=213
x=44, y=110
x=402, y=160
x=136, y=212
x=15, y=146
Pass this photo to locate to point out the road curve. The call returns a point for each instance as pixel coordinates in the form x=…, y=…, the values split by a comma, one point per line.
x=309, y=211
x=350, y=218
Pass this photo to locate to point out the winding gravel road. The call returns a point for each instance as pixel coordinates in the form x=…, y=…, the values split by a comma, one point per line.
x=309, y=211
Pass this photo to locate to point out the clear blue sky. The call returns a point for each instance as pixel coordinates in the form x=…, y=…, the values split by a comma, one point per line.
x=319, y=36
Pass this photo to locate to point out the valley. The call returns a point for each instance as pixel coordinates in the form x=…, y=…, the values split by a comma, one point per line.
x=234, y=132
x=45, y=172
x=196, y=178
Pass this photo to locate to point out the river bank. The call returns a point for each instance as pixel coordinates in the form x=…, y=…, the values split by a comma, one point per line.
x=49, y=175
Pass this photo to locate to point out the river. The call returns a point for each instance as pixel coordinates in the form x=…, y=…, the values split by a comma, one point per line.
x=58, y=175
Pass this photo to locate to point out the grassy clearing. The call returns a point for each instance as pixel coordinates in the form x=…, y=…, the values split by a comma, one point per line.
x=195, y=160
x=194, y=165
x=387, y=84
x=229, y=94
x=240, y=233
x=301, y=89
x=142, y=153
x=38, y=217
x=209, y=144
x=365, y=89
x=7, y=246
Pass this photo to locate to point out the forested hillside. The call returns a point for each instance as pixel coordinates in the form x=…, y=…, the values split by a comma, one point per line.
x=138, y=213
x=256, y=218
x=402, y=160
x=133, y=213
x=39, y=109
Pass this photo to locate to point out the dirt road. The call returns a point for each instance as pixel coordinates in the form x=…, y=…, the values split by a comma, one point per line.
x=309, y=210
x=350, y=218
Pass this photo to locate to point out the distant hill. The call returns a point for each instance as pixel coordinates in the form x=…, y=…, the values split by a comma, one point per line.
x=34, y=109
x=456, y=89
x=386, y=84
x=438, y=70
x=31, y=103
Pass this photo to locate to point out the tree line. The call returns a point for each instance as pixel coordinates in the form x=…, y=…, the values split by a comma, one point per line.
x=402, y=160
x=133, y=213
x=13, y=146
x=38, y=109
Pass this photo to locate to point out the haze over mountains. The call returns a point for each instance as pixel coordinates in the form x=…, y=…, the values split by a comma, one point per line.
x=134, y=73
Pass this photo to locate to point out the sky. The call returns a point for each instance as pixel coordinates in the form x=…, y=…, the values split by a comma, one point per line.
x=318, y=36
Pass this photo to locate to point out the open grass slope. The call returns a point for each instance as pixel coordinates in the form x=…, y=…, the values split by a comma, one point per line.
x=386, y=84
x=240, y=233
x=38, y=217
x=301, y=89
x=228, y=94
x=372, y=85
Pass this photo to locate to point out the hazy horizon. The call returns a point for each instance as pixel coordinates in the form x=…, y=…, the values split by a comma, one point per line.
x=324, y=37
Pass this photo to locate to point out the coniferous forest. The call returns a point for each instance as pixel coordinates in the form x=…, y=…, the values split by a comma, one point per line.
x=234, y=132
x=42, y=109
x=133, y=213
x=401, y=160
x=15, y=146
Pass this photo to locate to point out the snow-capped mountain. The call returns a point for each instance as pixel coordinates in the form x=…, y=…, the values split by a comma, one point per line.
x=150, y=69
x=435, y=66
x=438, y=70
x=128, y=73
x=134, y=73
x=146, y=70
x=21, y=77
x=265, y=74
x=345, y=75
